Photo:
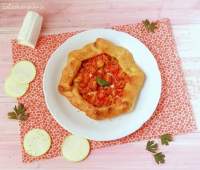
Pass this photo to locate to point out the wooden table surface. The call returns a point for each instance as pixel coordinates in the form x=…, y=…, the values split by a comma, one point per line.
x=70, y=15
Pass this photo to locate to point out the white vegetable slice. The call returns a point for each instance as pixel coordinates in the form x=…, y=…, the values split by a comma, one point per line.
x=23, y=71
x=75, y=148
x=36, y=142
x=14, y=89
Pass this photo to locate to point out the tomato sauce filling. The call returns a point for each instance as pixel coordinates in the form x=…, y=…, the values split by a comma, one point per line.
x=107, y=69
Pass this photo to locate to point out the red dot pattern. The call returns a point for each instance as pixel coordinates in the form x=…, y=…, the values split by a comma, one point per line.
x=173, y=114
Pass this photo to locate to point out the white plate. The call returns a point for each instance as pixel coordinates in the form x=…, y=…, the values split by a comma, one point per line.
x=75, y=121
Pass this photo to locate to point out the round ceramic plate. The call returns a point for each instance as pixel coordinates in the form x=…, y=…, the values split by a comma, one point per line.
x=75, y=121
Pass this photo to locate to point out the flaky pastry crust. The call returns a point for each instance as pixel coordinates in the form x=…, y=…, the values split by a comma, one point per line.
x=68, y=85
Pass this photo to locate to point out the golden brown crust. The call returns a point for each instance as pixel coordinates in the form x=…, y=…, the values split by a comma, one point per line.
x=68, y=85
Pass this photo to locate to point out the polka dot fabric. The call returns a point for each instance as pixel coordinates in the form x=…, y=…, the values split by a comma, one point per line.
x=173, y=114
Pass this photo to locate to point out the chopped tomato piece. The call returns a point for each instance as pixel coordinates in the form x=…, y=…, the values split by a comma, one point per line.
x=100, y=72
x=108, y=69
x=108, y=77
x=92, y=84
x=100, y=63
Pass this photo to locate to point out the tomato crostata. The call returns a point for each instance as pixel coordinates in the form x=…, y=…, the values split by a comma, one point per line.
x=101, y=79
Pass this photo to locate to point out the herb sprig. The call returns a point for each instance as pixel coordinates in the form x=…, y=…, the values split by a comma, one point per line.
x=102, y=82
x=152, y=147
x=150, y=26
x=18, y=113
x=166, y=139
x=159, y=158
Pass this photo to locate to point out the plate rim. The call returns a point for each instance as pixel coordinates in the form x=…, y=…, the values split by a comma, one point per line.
x=89, y=137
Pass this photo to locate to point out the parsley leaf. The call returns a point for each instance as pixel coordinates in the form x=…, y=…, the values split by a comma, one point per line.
x=150, y=26
x=12, y=115
x=159, y=158
x=19, y=113
x=166, y=139
x=102, y=82
x=152, y=146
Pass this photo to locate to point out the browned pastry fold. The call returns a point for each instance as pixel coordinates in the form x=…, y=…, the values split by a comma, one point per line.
x=68, y=85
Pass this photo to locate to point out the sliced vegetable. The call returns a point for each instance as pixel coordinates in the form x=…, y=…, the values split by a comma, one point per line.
x=36, y=142
x=75, y=148
x=23, y=71
x=14, y=89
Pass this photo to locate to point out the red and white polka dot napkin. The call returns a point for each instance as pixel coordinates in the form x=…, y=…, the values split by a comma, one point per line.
x=174, y=112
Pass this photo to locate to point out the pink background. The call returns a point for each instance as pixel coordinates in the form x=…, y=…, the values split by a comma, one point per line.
x=62, y=16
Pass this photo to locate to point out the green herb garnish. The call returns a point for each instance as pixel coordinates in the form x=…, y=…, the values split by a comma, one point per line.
x=166, y=139
x=159, y=158
x=19, y=113
x=150, y=26
x=102, y=82
x=152, y=146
